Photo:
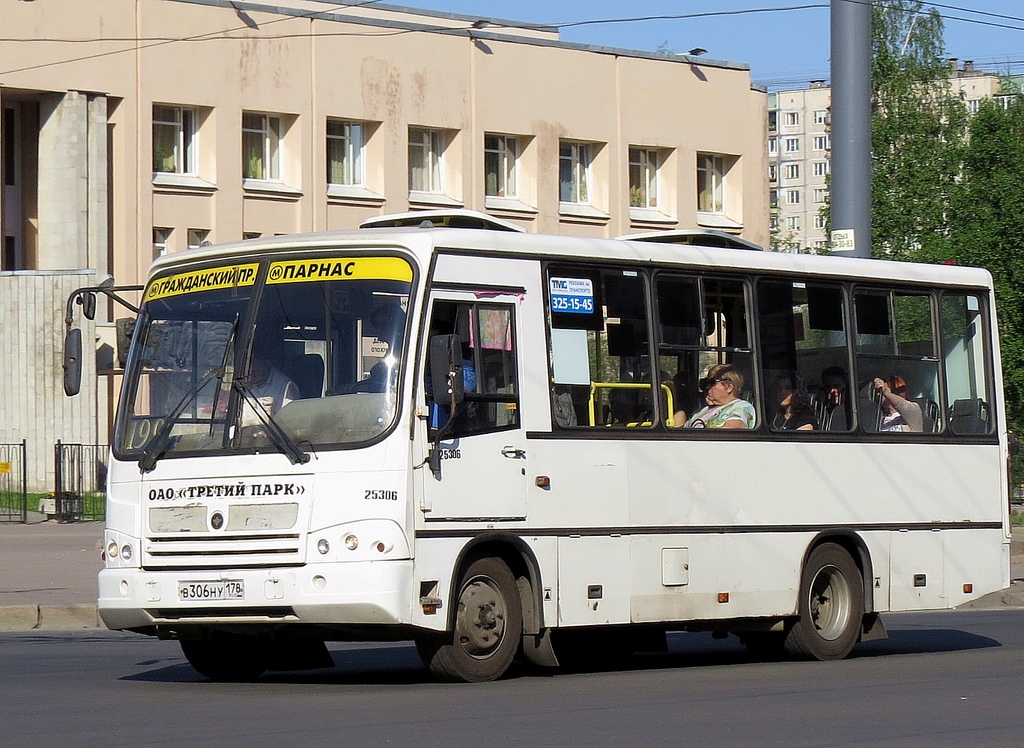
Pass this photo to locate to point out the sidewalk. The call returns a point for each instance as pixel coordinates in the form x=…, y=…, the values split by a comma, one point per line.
x=48, y=578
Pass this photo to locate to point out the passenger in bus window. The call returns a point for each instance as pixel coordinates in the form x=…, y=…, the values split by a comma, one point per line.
x=271, y=387
x=795, y=412
x=897, y=412
x=725, y=408
x=835, y=383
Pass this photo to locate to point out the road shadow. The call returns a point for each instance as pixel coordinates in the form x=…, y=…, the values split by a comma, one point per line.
x=397, y=664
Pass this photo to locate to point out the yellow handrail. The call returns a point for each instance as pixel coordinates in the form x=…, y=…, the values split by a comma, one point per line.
x=595, y=386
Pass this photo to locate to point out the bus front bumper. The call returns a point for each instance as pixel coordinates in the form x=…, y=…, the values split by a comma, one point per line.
x=351, y=593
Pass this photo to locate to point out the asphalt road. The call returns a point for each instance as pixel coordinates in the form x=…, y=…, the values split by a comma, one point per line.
x=941, y=679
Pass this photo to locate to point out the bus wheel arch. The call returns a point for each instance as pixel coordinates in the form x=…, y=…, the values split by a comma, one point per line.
x=830, y=604
x=493, y=601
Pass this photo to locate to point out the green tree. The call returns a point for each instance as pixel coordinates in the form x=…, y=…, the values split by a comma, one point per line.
x=918, y=133
x=988, y=219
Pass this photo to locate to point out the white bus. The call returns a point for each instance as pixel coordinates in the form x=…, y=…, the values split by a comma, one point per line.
x=476, y=438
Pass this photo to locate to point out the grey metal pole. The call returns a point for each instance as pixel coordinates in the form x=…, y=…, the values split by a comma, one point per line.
x=851, y=127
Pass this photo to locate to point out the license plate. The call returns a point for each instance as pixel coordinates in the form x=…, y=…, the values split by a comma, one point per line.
x=225, y=589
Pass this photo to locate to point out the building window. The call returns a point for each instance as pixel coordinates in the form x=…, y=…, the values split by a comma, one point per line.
x=174, y=139
x=821, y=116
x=792, y=119
x=161, y=240
x=261, y=146
x=773, y=146
x=973, y=105
x=426, y=148
x=773, y=198
x=643, y=178
x=574, y=172
x=792, y=145
x=247, y=235
x=501, y=155
x=821, y=244
x=792, y=171
x=793, y=223
x=821, y=142
x=821, y=195
x=819, y=222
x=711, y=171
x=773, y=172
x=197, y=237
x=820, y=168
x=792, y=197
x=773, y=222
x=345, y=153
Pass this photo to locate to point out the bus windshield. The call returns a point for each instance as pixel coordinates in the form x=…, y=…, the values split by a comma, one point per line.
x=254, y=357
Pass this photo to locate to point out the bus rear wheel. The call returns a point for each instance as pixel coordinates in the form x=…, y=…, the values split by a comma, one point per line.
x=831, y=606
x=231, y=658
x=488, y=627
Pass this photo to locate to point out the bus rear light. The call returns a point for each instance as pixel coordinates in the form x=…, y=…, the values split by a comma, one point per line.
x=351, y=542
x=968, y=589
x=723, y=597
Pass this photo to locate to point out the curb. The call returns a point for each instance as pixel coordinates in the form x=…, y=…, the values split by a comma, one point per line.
x=49, y=618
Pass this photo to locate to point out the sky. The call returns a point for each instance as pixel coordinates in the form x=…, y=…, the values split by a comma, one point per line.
x=786, y=47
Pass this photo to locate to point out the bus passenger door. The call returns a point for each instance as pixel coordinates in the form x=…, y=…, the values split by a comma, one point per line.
x=478, y=470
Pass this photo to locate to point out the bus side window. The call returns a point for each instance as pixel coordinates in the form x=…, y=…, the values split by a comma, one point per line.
x=600, y=348
x=490, y=382
x=804, y=356
x=965, y=360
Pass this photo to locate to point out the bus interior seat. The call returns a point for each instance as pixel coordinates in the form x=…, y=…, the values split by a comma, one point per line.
x=969, y=416
x=307, y=371
x=930, y=419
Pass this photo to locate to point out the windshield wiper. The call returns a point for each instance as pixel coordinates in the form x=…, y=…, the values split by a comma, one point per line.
x=160, y=442
x=280, y=438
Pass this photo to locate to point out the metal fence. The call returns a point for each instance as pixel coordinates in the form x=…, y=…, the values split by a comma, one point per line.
x=13, y=482
x=81, y=481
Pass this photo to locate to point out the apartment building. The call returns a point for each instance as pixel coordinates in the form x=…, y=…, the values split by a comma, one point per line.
x=134, y=129
x=798, y=166
x=799, y=151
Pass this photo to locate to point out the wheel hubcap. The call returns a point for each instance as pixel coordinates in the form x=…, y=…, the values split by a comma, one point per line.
x=830, y=603
x=481, y=625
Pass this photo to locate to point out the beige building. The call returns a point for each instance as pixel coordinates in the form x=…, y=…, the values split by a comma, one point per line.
x=131, y=129
x=799, y=153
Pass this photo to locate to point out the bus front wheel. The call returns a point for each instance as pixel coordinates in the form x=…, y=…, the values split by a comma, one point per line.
x=831, y=606
x=488, y=627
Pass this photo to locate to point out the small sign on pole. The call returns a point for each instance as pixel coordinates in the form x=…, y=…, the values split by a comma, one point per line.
x=843, y=240
x=5, y=467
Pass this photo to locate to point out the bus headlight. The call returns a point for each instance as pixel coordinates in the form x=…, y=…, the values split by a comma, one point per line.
x=112, y=549
x=323, y=546
x=127, y=552
x=351, y=542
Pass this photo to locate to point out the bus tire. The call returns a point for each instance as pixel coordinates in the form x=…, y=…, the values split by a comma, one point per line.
x=831, y=606
x=230, y=658
x=488, y=627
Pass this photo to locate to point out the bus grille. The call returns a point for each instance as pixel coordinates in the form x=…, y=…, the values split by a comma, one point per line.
x=220, y=551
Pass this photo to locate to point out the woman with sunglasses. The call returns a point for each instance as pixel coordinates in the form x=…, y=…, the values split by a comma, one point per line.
x=725, y=408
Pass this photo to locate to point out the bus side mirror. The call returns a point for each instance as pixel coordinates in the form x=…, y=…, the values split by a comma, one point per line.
x=73, y=361
x=446, y=370
x=88, y=302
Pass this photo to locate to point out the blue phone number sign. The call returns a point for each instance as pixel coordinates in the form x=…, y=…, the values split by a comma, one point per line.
x=572, y=295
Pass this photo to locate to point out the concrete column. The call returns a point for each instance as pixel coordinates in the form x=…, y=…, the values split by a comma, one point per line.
x=63, y=182
x=98, y=192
